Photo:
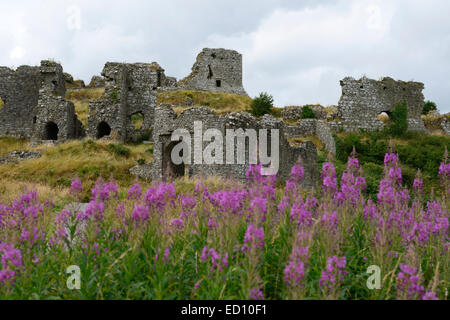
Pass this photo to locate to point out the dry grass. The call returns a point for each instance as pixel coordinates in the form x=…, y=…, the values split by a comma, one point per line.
x=12, y=189
x=84, y=94
x=60, y=164
x=8, y=145
x=297, y=141
x=221, y=102
x=433, y=121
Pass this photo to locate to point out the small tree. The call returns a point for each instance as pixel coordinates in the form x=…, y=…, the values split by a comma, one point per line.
x=308, y=113
x=399, y=122
x=262, y=105
x=429, y=106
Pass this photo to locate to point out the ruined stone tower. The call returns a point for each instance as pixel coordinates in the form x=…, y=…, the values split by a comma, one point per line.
x=33, y=104
x=217, y=70
x=55, y=117
x=130, y=91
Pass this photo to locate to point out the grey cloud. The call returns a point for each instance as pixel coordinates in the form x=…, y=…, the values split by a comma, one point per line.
x=296, y=50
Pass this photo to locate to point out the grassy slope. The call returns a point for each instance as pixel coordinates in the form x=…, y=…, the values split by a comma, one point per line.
x=59, y=164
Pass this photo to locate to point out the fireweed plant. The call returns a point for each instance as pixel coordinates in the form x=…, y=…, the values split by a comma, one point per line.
x=253, y=241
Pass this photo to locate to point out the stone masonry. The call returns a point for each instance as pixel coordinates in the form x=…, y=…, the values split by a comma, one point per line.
x=312, y=127
x=168, y=122
x=19, y=95
x=130, y=91
x=34, y=105
x=217, y=70
x=55, y=117
x=364, y=99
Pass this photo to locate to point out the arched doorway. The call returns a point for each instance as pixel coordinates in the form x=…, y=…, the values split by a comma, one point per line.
x=51, y=131
x=169, y=168
x=103, y=130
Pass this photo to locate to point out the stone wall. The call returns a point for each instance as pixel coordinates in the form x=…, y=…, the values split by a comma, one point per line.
x=33, y=103
x=130, y=91
x=445, y=124
x=364, y=99
x=19, y=93
x=312, y=127
x=169, y=122
x=217, y=70
x=97, y=82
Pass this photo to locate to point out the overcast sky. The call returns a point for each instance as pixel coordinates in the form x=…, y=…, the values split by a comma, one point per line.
x=295, y=50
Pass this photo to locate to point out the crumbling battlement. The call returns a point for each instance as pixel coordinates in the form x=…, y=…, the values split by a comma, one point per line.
x=216, y=70
x=130, y=91
x=168, y=122
x=364, y=99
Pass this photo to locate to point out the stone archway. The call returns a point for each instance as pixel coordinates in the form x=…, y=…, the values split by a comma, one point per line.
x=51, y=131
x=168, y=166
x=103, y=130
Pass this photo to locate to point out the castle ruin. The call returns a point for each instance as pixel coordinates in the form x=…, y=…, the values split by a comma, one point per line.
x=33, y=104
x=168, y=122
x=130, y=91
x=216, y=70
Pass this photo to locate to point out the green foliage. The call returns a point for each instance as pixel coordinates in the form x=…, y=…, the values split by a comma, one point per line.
x=136, y=120
x=416, y=151
x=308, y=113
x=1, y=103
x=399, y=122
x=140, y=161
x=370, y=149
x=373, y=173
x=429, y=106
x=262, y=105
x=425, y=153
x=119, y=150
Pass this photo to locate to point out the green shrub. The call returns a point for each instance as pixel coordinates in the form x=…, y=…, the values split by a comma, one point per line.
x=399, y=122
x=415, y=151
x=262, y=105
x=425, y=154
x=372, y=173
x=308, y=113
x=370, y=149
x=140, y=161
x=429, y=106
x=119, y=150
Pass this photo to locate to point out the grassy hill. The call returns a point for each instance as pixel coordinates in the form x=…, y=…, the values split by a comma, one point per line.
x=59, y=164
